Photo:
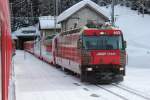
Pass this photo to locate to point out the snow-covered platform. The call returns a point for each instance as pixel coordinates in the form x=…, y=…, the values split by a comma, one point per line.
x=36, y=80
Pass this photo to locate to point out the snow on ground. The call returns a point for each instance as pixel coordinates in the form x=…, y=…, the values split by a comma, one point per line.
x=138, y=78
x=36, y=80
x=136, y=31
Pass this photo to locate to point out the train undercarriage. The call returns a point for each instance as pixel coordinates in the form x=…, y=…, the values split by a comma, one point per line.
x=102, y=74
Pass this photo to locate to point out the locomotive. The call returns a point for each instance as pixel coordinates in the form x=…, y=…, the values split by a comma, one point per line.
x=97, y=55
x=5, y=50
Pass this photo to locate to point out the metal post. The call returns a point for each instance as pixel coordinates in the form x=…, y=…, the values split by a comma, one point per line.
x=31, y=10
x=32, y=18
x=143, y=10
x=24, y=54
x=41, y=46
x=143, y=7
x=12, y=90
x=12, y=94
x=55, y=15
x=11, y=8
x=27, y=9
x=112, y=13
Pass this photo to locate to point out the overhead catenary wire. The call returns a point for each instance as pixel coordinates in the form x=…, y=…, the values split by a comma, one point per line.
x=18, y=4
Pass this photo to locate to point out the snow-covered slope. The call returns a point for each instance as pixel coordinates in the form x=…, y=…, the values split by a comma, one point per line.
x=136, y=29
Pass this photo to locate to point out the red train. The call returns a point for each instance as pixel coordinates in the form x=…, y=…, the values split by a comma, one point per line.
x=5, y=49
x=97, y=55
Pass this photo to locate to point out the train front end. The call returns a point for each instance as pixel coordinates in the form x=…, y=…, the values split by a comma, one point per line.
x=103, y=55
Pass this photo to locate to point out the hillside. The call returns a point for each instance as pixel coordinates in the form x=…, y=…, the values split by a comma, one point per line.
x=136, y=31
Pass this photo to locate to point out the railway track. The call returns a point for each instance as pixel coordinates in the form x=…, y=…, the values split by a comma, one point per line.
x=112, y=92
x=133, y=91
x=125, y=89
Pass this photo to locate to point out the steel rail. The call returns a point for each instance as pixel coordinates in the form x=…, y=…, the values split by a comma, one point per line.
x=133, y=91
x=120, y=96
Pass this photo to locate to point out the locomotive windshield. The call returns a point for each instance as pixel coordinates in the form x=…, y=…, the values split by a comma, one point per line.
x=102, y=42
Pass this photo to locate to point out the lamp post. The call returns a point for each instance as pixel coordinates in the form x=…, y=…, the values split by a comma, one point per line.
x=55, y=14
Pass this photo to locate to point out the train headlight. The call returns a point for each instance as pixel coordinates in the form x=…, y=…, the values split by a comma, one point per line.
x=102, y=33
x=121, y=68
x=89, y=69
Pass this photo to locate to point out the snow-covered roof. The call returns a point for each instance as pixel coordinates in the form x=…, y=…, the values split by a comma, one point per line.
x=14, y=37
x=48, y=22
x=67, y=13
x=27, y=31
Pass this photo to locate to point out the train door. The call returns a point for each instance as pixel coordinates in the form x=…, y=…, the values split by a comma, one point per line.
x=54, y=49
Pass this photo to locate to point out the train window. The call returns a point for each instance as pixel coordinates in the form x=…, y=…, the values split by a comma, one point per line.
x=102, y=42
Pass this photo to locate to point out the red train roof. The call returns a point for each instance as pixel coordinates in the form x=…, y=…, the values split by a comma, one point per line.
x=93, y=32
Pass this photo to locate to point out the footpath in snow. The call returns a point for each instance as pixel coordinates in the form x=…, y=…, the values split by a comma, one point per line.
x=36, y=80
